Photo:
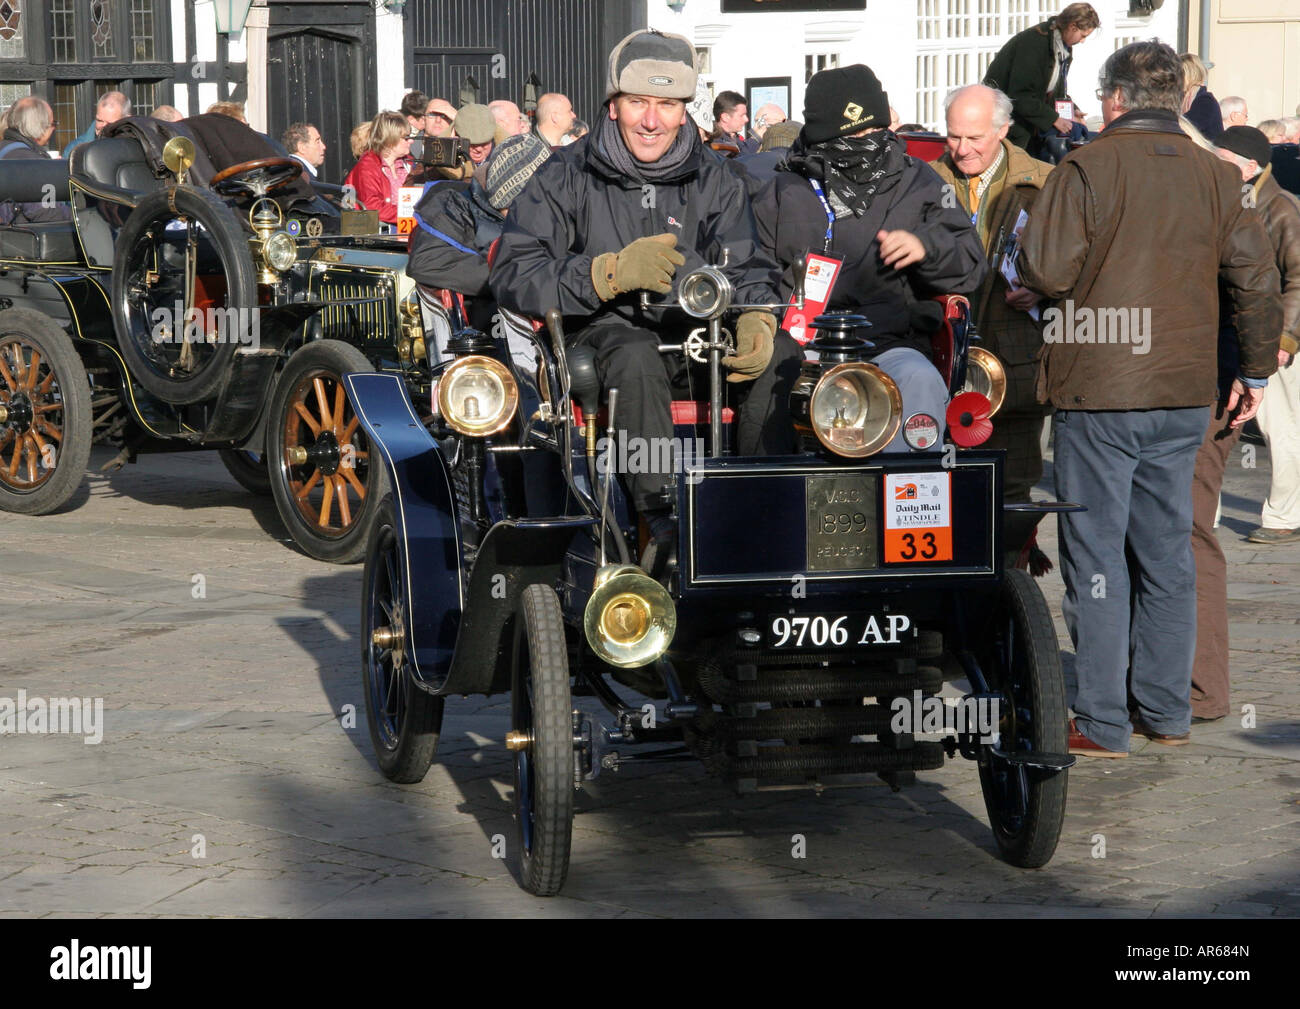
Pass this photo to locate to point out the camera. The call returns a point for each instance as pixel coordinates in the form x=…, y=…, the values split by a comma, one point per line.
x=440, y=152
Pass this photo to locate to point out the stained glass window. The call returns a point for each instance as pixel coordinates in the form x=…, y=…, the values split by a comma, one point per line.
x=12, y=44
x=101, y=28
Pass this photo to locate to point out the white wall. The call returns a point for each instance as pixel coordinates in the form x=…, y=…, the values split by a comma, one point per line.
x=390, y=49
x=887, y=37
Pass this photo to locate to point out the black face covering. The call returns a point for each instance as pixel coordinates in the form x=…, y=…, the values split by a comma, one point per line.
x=853, y=169
x=676, y=163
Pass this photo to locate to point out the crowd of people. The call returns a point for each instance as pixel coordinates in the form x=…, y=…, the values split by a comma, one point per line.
x=1176, y=210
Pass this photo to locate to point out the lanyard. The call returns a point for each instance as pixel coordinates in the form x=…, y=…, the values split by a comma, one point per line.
x=830, y=215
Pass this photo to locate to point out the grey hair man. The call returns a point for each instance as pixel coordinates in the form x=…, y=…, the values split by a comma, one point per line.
x=994, y=182
x=112, y=106
x=510, y=121
x=555, y=117
x=1234, y=112
x=1133, y=393
x=30, y=126
x=303, y=141
x=167, y=113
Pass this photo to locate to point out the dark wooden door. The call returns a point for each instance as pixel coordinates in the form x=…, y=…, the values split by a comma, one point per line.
x=320, y=70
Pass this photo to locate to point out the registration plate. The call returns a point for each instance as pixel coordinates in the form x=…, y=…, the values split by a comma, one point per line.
x=838, y=630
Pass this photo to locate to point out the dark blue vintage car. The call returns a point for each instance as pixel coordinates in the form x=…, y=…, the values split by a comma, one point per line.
x=503, y=560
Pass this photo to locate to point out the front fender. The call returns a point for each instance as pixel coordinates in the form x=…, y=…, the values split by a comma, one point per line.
x=427, y=528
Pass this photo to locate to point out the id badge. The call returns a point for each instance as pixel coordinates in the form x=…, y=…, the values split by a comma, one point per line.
x=1065, y=110
x=819, y=282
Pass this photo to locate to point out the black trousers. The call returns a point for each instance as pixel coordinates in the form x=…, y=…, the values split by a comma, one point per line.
x=628, y=359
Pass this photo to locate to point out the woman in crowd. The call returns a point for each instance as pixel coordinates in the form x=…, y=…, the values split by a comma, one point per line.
x=1199, y=106
x=379, y=174
x=1031, y=69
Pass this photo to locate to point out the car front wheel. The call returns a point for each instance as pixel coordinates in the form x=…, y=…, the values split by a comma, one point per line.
x=326, y=481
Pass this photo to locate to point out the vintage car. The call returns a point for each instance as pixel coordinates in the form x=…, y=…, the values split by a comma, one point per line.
x=189, y=303
x=505, y=559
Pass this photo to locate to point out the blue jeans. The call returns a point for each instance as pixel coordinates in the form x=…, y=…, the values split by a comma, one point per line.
x=1130, y=582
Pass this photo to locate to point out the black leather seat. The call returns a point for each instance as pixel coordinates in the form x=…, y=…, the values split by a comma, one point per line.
x=55, y=242
x=114, y=163
x=34, y=180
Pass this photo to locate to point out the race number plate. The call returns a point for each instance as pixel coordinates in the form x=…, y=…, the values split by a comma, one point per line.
x=918, y=517
x=841, y=512
x=838, y=630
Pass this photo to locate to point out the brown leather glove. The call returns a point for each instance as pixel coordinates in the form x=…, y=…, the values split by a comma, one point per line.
x=754, y=333
x=648, y=264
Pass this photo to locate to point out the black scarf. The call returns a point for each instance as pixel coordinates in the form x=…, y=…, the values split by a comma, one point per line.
x=676, y=163
x=852, y=169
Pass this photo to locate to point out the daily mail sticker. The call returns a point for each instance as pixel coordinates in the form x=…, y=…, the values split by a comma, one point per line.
x=1065, y=110
x=918, y=517
x=407, y=198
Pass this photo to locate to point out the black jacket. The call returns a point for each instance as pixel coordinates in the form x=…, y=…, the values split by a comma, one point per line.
x=1286, y=167
x=578, y=206
x=28, y=213
x=455, y=227
x=1204, y=114
x=792, y=221
x=1022, y=69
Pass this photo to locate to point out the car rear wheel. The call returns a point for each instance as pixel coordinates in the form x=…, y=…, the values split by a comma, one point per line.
x=404, y=720
x=541, y=723
x=248, y=469
x=1026, y=805
x=44, y=414
x=184, y=294
x=326, y=484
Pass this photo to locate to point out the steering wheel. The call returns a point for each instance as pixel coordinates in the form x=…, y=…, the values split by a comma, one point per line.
x=256, y=178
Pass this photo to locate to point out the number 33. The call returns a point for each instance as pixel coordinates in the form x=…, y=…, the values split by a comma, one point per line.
x=928, y=551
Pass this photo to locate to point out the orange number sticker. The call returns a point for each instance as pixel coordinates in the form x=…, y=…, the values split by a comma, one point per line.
x=918, y=517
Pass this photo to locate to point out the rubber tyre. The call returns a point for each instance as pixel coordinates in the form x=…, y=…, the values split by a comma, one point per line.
x=541, y=705
x=329, y=360
x=132, y=319
x=1026, y=805
x=248, y=469
x=404, y=719
x=62, y=375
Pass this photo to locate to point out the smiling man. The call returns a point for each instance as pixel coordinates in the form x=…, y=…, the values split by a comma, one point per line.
x=629, y=208
x=993, y=181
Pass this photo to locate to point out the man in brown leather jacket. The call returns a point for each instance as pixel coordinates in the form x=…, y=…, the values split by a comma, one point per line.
x=993, y=180
x=1132, y=234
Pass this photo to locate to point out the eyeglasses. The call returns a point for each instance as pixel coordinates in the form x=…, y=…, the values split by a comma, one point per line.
x=1101, y=95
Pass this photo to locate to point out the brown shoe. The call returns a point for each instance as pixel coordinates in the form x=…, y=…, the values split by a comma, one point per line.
x=1085, y=747
x=1142, y=729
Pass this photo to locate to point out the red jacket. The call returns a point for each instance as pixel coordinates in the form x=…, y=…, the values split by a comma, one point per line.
x=376, y=185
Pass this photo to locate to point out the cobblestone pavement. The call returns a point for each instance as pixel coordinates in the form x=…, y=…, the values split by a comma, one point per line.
x=226, y=785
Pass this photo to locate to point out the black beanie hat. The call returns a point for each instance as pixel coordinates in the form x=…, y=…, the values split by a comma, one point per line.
x=841, y=101
x=1247, y=142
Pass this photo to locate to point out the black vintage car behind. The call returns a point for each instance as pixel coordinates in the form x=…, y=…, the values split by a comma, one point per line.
x=185, y=304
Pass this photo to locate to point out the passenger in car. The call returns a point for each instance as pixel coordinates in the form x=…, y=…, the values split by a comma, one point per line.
x=31, y=124
x=380, y=174
x=849, y=190
x=457, y=222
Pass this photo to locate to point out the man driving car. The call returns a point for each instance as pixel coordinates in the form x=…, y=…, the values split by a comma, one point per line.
x=626, y=210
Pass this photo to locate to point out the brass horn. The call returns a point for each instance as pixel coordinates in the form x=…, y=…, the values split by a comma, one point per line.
x=178, y=155
x=630, y=619
x=986, y=375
